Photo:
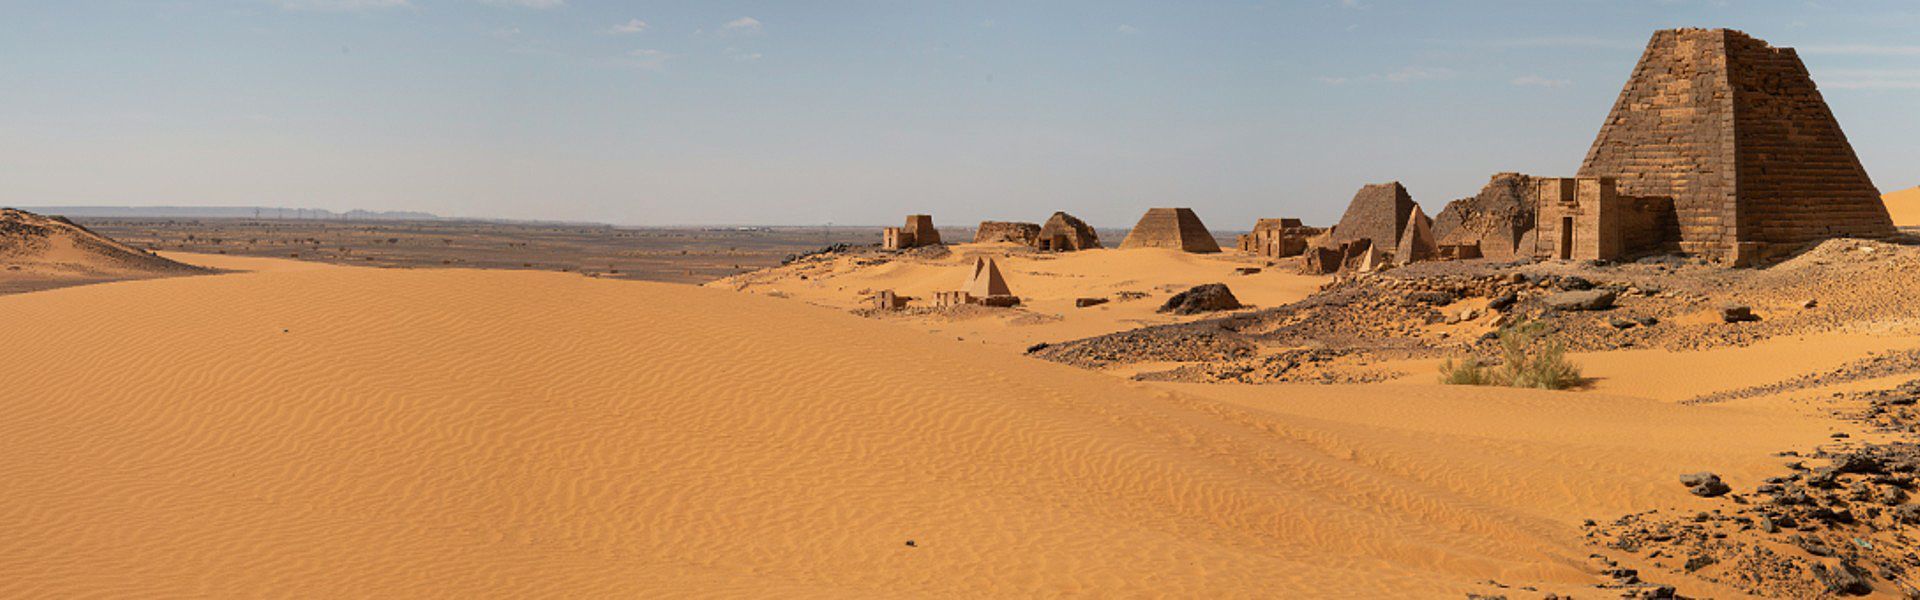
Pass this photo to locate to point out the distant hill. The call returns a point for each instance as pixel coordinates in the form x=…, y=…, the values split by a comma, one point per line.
x=229, y=212
x=1904, y=206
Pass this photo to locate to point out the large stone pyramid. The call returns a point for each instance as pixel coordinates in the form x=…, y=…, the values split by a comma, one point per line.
x=1176, y=228
x=1736, y=133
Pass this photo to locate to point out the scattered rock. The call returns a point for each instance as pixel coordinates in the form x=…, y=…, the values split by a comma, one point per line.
x=1737, y=313
x=1502, y=302
x=1621, y=323
x=1704, y=484
x=1581, y=300
x=1086, y=302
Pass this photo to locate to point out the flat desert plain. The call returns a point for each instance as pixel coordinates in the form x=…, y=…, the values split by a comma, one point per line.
x=287, y=427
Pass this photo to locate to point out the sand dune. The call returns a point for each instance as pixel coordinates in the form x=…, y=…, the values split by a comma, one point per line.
x=348, y=431
x=39, y=252
x=1904, y=207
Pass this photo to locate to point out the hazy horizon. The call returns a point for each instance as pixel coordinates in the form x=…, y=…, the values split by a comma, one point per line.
x=755, y=113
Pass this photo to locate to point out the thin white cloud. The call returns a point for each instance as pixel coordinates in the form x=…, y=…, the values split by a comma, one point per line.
x=1561, y=41
x=1871, y=79
x=630, y=27
x=648, y=59
x=1403, y=75
x=1538, y=81
x=1862, y=50
x=533, y=4
x=1419, y=74
x=746, y=25
x=742, y=55
x=1127, y=29
x=1354, y=5
x=343, y=5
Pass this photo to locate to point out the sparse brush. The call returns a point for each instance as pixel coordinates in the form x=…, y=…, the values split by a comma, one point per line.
x=1465, y=372
x=1528, y=359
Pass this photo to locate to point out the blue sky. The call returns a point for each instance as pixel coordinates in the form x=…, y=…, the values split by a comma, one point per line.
x=724, y=112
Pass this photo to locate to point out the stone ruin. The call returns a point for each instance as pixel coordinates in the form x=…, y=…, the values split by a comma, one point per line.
x=1175, y=228
x=1737, y=135
x=1064, y=233
x=984, y=286
x=1024, y=234
x=918, y=232
x=1277, y=238
x=1719, y=146
x=1494, y=224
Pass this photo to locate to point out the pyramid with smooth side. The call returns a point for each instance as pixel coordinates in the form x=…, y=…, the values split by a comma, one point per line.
x=1738, y=135
x=1175, y=228
x=986, y=280
x=1416, y=243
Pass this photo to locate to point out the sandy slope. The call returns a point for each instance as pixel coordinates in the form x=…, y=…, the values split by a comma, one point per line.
x=1047, y=284
x=1904, y=206
x=40, y=252
x=335, y=431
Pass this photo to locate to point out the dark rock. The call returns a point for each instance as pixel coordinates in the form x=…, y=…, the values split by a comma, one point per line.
x=1581, y=300
x=1648, y=320
x=1575, y=283
x=1705, y=485
x=1620, y=323
x=1842, y=579
x=1502, y=302
x=1201, y=298
x=1737, y=313
x=1038, y=347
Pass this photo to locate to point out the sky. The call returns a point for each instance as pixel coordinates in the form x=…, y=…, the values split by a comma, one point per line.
x=859, y=112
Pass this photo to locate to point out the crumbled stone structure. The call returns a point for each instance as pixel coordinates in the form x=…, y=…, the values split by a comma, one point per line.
x=1493, y=224
x=1277, y=238
x=1735, y=132
x=1064, y=233
x=918, y=232
x=1006, y=231
x=1176, y=228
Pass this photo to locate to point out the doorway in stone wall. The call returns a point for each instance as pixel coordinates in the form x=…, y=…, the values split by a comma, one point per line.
x=1566, y=238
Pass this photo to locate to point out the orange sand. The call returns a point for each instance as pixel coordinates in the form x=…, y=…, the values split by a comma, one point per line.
x=336, y=431
x=1904, y=206
x=1047, y=285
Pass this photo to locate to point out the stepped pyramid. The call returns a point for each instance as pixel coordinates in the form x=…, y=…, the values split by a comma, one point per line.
x=1176, y=228
x=1735, y=132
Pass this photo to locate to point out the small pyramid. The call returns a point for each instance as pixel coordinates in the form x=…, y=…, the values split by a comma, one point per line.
x=986, y=280
x=1176, y=228
x=1416, y=243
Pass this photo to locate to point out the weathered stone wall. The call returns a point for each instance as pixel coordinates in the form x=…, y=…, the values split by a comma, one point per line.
x=1176, y=228
x=1736, y=133
x=1799, y=179
x=1006, y=231
x=1670, y=134
x=1277, y=238
x=919, y=231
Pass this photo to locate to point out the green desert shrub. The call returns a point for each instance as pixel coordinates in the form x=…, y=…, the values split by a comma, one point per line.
x=1529, y=359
